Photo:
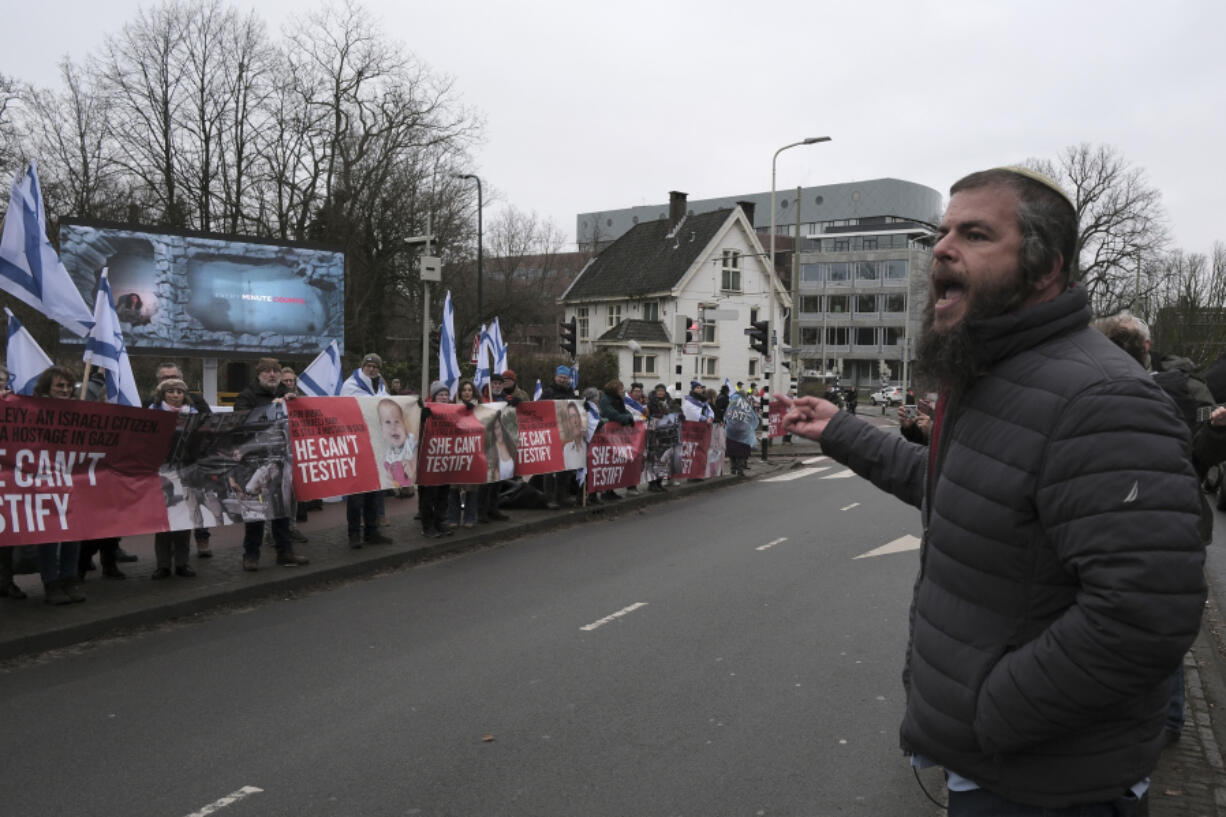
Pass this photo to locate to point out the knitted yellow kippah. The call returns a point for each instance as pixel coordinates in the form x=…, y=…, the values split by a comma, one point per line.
x=1041, y=178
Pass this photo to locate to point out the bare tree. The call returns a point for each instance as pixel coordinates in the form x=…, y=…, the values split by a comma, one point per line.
x=10, y=147
x=70, y=132
x=1187, y=308
x=143, y=71
x=1122, y=221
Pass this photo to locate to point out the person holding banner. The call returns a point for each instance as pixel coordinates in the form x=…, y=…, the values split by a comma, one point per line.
x=8, y=588
x=557, y=485
x=364, y=510
x=175, y=544
x=267, y=390
x=511, y=394
x=695, y=407
x=171, y=371
x=432, y=499
x=613, y=409
x=57, y=561
x=464, y=501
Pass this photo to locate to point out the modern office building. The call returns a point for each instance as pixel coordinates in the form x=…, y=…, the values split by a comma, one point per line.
x=864, y=259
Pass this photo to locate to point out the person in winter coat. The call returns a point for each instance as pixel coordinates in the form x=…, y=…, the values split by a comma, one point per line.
x=557, y=485
x=363, y=511
x=267, y=390
x=1061, y=568
x=613, y=409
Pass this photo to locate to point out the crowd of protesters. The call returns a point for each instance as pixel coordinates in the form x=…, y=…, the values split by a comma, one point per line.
x=63, y=566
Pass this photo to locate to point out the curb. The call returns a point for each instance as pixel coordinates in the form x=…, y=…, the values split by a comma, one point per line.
x=291, y=580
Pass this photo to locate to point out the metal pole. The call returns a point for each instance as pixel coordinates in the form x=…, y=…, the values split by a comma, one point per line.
x=795, y=287
x=480, y=251
x=425, y=320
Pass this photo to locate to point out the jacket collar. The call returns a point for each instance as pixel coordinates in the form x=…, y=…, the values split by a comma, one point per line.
x=1003, y=336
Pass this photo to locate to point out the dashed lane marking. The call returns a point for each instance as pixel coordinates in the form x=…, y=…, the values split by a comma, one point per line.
x=772, y=543
x=797, y=474
x=849, y=507
x=614, y=616
x=229, y=800
x=899, y=545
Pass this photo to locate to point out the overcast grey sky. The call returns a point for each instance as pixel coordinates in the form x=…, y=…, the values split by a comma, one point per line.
x=594, y=106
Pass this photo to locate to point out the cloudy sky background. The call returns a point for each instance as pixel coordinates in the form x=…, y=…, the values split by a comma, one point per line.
x=602, y=106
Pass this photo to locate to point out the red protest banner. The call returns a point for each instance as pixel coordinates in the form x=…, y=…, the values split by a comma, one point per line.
x=459, y=443
x=551, y=436
x=615, y=456
x=692, y=453
x=777, y=410
x=331, y=447
x=74, y=470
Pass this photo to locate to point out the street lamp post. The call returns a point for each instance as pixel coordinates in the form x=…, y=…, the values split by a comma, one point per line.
x=480, y=271
x=795, y=333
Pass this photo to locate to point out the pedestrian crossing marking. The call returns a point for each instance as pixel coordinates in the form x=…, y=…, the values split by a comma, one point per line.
x=900, y=545
x=797, y=474
x=841, y=475
x=814, y=460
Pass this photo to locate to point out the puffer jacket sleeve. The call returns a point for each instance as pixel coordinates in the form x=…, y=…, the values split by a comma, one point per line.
x=887, y=460
x=1118, y=502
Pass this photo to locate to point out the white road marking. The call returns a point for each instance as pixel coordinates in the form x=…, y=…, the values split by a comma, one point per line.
x=228, y=800
x=849, y=507
x=899, y=545
x=797, y=474
x=814, y=460
x=772, y=543
x=841, y=475
x=615, y=616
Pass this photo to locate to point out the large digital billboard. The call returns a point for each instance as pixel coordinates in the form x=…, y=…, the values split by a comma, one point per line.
x=192, y=292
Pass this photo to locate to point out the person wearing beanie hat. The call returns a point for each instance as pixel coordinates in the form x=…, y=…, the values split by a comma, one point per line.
x=363, y=511
x=1062, y=556
x=557, y=485
x=512, y=394
x=436, y=388
x=432, y=499
x=695, y=407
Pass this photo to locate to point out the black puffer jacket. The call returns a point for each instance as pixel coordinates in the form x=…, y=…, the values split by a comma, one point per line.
x=1061, y=571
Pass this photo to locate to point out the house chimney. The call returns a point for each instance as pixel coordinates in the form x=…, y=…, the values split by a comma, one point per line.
x=676, y=208
x=748, y=208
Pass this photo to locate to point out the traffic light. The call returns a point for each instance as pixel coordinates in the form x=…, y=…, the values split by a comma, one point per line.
x=759, y=337
x=691, y=332
x=569, y=332
x=436, y=337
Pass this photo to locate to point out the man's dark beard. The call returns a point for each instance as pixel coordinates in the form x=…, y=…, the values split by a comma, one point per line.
x=952, y=359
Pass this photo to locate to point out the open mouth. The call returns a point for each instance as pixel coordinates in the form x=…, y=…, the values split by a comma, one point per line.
x=947, y=289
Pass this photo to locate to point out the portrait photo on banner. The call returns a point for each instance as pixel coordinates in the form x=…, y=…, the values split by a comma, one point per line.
x=501, y=439
x=573, y=427
x=394, y=424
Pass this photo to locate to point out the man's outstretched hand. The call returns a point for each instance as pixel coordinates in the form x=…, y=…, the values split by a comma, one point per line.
x=807, y=416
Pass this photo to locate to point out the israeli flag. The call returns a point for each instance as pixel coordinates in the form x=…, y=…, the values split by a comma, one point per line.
x=482, y=376
x=574, y=376
x=497, y=347
x=536, y=393
x=636, y=409
x=324, y=376
x=104, y=348
x=448, y=365
x=25, y=359
x=30, y=270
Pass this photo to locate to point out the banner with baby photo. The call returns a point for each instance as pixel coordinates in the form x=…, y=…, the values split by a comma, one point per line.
x=615, y=456
x=467, y=446
x=351, y=445
x=551, y=437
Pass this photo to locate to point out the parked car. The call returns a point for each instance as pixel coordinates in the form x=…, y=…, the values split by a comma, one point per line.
x=890, y=395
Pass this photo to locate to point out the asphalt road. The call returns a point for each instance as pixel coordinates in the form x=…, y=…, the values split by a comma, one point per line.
x=723, y=655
